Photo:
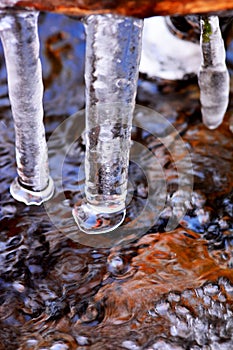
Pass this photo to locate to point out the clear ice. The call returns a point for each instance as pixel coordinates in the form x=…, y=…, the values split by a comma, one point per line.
x=113, y=48
x=213, y=76
x=19, y=35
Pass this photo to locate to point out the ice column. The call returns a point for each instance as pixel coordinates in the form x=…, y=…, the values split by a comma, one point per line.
x=113, y=48
x=19, y=35
x=213, y=76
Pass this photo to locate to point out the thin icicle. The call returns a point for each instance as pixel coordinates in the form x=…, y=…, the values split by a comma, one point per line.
x=213, y=76
x=18, y=31
x=113, y=48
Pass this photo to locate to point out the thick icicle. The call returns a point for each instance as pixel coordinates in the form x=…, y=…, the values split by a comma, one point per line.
x=113, y=47
x=213, y=76
x=18, y=31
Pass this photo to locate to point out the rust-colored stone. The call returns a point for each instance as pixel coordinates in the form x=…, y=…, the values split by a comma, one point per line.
x=176, y=260
x=137, y=8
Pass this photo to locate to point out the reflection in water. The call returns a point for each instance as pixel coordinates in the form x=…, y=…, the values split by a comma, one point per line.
x=165, y=290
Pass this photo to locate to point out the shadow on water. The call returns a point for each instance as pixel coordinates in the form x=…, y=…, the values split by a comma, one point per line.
x=164, y=290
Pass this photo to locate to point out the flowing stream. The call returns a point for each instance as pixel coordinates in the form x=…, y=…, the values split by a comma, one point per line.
x=161, y=290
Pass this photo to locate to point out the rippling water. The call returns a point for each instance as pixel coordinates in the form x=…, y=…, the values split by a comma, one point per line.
x=161, y=290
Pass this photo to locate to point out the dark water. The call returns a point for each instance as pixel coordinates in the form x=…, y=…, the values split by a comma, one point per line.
x=160, y=290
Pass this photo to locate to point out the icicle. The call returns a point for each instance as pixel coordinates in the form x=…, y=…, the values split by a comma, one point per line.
x=18, y=31
x=213, y=76
x=113, y=47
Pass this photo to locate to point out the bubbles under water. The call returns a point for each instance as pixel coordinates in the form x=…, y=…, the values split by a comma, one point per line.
x=164, y=290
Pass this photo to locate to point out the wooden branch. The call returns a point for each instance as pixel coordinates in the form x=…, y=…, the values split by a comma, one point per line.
x=137, y=8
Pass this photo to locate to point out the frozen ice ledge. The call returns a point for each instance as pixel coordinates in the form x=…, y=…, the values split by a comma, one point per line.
x=137, y=8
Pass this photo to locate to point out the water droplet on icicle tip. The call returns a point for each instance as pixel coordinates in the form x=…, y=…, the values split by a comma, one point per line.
x=213, y=76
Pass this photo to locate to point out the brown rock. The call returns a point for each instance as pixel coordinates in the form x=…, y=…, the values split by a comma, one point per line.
x=137, y=8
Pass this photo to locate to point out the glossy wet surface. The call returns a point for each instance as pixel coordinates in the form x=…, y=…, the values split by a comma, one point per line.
x=161, y=290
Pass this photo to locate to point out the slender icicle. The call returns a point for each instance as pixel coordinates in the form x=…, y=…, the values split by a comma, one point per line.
x=113, y=48
x=213, y=76
x=18, y=31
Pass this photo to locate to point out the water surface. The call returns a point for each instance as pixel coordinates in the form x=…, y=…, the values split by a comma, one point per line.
x=161, y=290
